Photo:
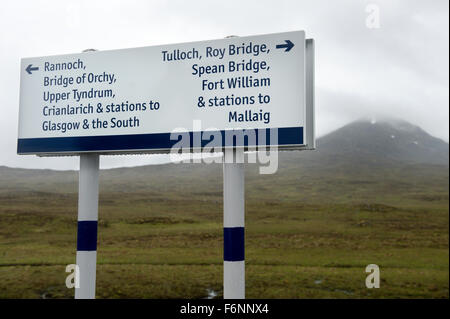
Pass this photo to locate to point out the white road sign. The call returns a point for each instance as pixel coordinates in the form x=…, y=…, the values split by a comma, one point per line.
x=131, y=100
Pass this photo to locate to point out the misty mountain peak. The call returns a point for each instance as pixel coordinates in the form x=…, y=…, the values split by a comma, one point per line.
x=384, y=140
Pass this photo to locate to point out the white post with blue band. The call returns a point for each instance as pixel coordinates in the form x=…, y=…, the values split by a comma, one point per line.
x=233, y=226
x=87, y=225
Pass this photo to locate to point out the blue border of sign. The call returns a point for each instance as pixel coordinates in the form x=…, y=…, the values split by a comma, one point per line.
x=287, y=136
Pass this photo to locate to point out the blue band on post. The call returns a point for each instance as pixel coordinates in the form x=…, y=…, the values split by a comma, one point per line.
x=87, y=235
x=233, y=244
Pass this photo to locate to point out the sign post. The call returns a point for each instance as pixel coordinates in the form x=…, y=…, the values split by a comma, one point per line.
x=87, y=225
x=228, y=95
x=233, y=226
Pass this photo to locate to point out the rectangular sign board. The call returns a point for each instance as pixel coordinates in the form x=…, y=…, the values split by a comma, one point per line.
x=139, y=100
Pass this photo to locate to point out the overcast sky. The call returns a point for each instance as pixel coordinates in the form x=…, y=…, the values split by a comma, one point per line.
x=397, y=70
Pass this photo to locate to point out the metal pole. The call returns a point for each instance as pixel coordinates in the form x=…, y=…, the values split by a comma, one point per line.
x=233, y=227
x=87, y=225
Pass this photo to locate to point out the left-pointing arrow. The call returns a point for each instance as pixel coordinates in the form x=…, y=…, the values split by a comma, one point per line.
x=30, y=68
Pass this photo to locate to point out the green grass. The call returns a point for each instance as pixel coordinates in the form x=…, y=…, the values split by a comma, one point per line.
x=194, y=281
x=305, y=243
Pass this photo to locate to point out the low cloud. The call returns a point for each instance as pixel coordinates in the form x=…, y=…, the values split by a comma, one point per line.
x=399, y=70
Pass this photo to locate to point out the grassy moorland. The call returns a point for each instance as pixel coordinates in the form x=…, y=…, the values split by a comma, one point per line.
x=309, y=232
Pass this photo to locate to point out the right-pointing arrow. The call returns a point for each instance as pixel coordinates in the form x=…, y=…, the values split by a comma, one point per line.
x=289, y=45
x=30, y=68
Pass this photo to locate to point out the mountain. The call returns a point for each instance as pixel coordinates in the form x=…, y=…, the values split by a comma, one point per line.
x=389, y=151
x=382, y=142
